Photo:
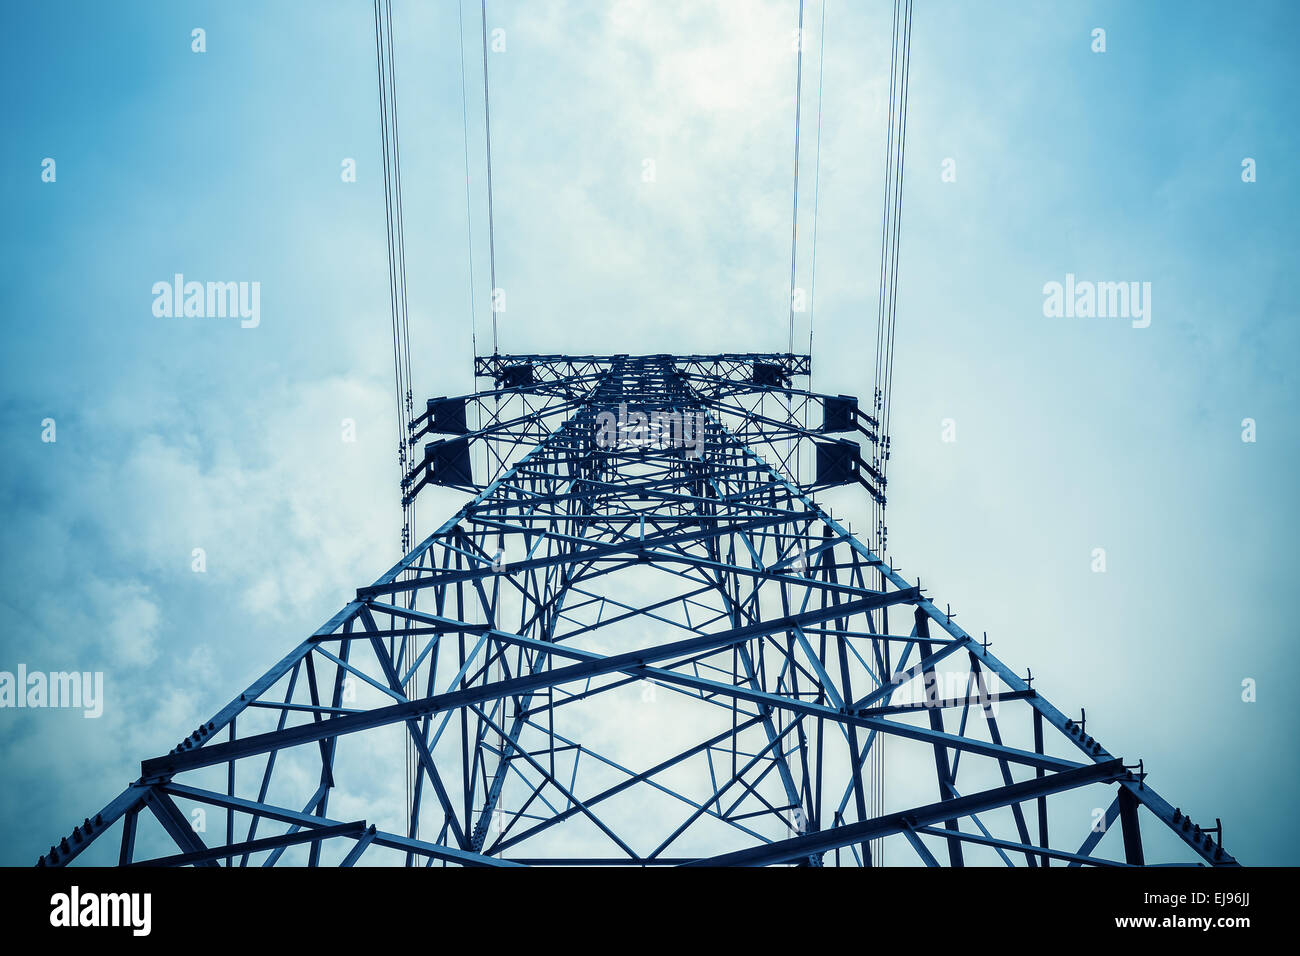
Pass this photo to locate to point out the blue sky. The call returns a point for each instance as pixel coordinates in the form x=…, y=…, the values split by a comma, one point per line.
x=1072, y=434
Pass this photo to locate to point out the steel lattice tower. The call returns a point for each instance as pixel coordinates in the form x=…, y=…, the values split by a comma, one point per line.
x=643, y=644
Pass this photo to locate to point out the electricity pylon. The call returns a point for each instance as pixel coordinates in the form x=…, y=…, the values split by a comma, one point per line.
x=642, y=642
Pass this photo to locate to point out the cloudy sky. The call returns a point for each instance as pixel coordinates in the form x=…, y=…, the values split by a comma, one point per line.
x=1072, y=434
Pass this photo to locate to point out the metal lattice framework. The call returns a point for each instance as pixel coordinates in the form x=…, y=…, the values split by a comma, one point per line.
x=641, y=642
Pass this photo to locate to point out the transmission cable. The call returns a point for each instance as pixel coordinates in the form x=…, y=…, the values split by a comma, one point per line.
x=487, y=131
x=469, y=209
x=891, y=227
x=891, y=241
x=794, y=218
x=390, y=147
x=817, y=171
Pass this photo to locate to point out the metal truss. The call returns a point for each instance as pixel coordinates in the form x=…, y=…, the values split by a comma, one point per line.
x=642, y=642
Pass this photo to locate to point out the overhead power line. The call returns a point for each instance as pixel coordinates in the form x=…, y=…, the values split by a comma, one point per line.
x=391, y=153
x=794, y=218
x=469, y=209
x=891, y=227
x=487, y=132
